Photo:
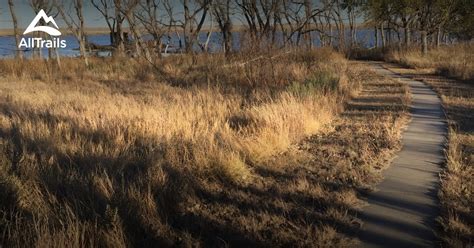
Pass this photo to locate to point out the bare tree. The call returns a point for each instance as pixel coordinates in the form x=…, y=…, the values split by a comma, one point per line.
x=148, y=14
x=111, y=11
x=103, y=7
x=337, y=16
x=119, y=36
x=19, y=52
x=205, y=46
x=352, y=10
x=128, y=8
x=221, y=10
x=324, y=20
x=76, y=24
x=294, y=23
x=192, y=24
x=262, y=18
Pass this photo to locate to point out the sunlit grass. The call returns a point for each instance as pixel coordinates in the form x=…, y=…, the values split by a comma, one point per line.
x=98, y=155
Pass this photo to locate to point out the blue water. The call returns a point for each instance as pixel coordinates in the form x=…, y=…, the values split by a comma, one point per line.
x=8, y=47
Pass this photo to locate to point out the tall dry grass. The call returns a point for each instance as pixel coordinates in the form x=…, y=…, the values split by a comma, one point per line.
x=457, y=187
x=455, y=61
x=109, y=155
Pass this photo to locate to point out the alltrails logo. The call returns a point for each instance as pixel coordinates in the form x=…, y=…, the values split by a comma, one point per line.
x=40, y=42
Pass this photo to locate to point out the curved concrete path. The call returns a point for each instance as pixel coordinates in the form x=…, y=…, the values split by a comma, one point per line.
x=403, y=208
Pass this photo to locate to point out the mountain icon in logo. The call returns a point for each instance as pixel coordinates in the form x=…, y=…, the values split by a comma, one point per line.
x=47, y=19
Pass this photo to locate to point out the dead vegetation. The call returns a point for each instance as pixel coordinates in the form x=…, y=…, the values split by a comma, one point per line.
x=192, y=153
x=456, y=61
x=457, y=184
x=308, y=196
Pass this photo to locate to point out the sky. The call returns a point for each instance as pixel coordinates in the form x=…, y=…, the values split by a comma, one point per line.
x=25, y=15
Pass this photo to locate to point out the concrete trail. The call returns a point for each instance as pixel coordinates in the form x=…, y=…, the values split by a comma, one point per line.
x=403, y=208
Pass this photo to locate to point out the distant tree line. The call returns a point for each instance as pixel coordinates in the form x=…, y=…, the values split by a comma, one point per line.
x=263, y=22
x=432, y=21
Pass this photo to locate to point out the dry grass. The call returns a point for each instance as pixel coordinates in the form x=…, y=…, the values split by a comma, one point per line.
x=308, y=195
x=109, y=154
x=457, y=184
x=190, y=153
x=456, y=61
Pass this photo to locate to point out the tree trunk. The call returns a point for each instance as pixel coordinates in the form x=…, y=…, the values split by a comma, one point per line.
x=19, y=52
x=82, y=49
x=228, y=31
x=438, y=37
x=112, y=37
x=354, y=24
x=141, y=47
x=308, y=9
x=119, y=38
x=351, y=28
x=424, y=42
x=77, y=29
x=389, y=35
x=376, y=33
x=407, y=35
x=186, y=28
x=82, y=39
x=382, y=35
x=341, y=30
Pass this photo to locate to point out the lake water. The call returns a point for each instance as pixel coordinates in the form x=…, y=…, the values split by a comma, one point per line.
x=8, y=47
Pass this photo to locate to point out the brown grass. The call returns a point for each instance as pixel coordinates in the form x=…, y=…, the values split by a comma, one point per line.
x=456, y=61
x=190, y=153
x=457, y=184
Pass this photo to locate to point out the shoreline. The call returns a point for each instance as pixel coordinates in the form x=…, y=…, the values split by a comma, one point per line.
x=97, y=31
